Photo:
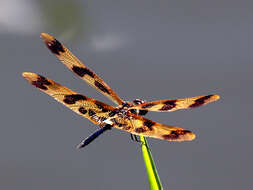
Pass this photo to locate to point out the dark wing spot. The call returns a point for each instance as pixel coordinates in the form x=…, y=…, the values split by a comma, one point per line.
x=171, y=102
x=118, y=123
x=165, y=108
x=200, y=101
x=143, y=112
x=91, y=112
x=148, y=105
x=82, y=110
x=80, y=71
x=100, y=106
x=101, y=87
x=71, y=99
x=55, y=46
x=140, y=130
x=149, y=124
x=41, y=82
x=168, y=105
x=170, y=137
x=175, y=134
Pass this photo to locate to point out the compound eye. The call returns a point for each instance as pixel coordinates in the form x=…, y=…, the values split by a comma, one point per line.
x=138, y=101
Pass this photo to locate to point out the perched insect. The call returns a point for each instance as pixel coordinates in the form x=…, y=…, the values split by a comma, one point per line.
x=126, y=116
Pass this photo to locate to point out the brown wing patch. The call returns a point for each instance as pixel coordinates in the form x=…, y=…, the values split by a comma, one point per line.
x=82, y=71
x=176, y=134
x=176, y=104
x=54, y=45
x=82, y=110
x=73, y=98
x=149, y=124
x=83, y=105
x=101, y=87
x=168, y=105
x=202, y=101
x=41, y=83
x=101, y=107
x=75, y=65
x=140, y=130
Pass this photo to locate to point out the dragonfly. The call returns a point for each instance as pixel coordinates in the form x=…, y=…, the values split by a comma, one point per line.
x=126, y=116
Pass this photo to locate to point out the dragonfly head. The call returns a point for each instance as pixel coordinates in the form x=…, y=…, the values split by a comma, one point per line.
x=138, y=101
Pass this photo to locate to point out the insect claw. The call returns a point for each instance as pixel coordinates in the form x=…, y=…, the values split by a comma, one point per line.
x=137, y=138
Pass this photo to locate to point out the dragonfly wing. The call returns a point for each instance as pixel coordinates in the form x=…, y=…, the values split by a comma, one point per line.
x=176, y=104
x=75, y=65
x=139, y=125
x=90, y=108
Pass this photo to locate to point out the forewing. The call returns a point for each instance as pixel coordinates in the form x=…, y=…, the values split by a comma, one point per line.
x=139, y=125
x=176, y=104
x=75, y=65
x=92, y=109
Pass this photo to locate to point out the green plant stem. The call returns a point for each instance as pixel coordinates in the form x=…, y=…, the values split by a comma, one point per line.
x=153, y=177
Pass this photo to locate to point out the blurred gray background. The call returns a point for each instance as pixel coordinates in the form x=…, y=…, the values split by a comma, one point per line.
x=153, y=50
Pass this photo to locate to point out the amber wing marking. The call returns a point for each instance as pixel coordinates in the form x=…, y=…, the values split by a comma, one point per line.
x=75, y=65
x=92, y=109
x=176, y=104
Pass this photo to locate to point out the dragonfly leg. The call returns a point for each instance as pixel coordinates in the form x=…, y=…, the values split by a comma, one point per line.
x=131, y=135
x=93, y=136
x=135, y=138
